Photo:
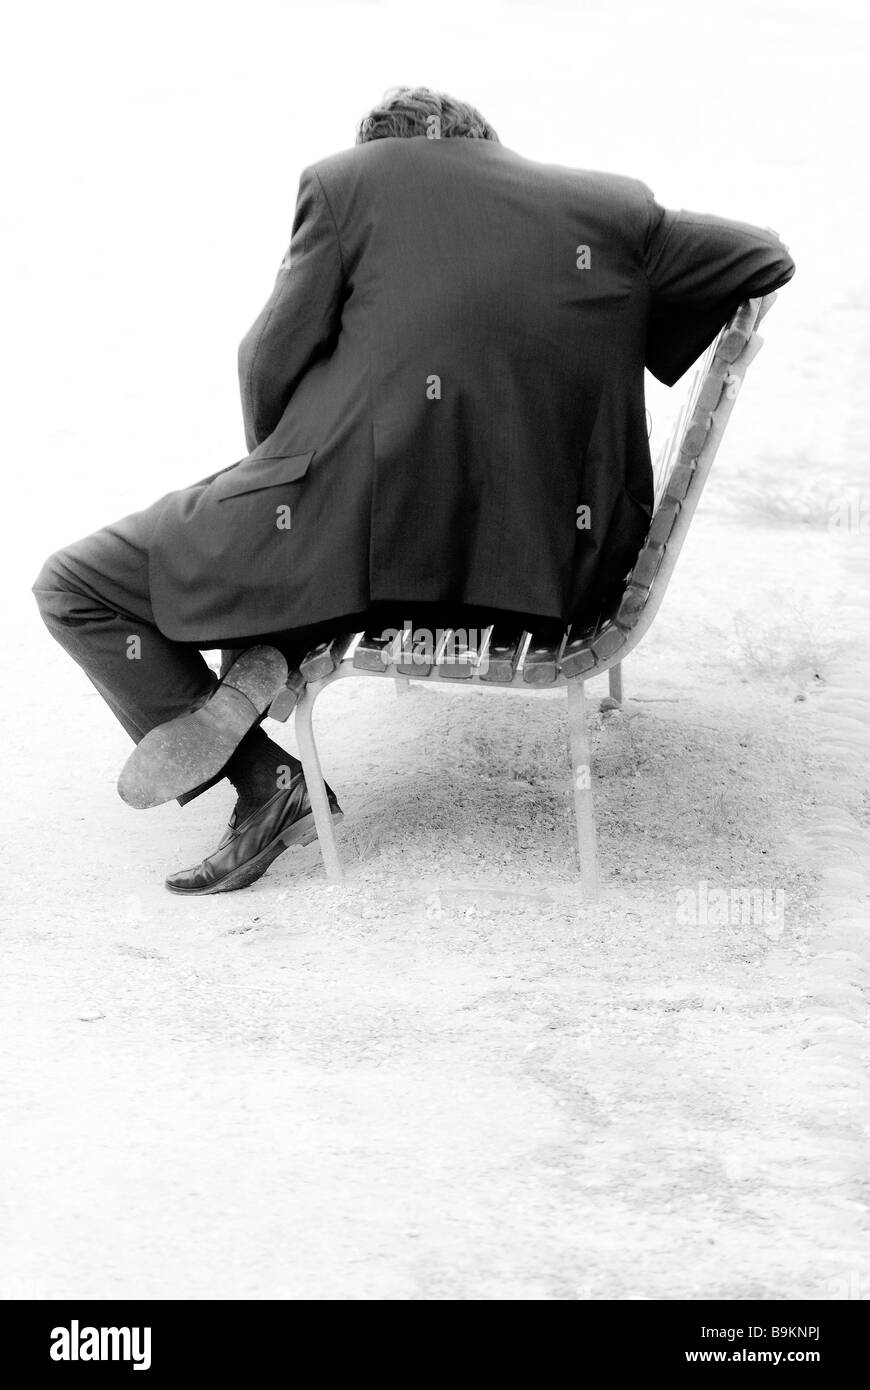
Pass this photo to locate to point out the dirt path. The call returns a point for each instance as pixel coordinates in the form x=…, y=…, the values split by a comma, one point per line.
x=455, y=1080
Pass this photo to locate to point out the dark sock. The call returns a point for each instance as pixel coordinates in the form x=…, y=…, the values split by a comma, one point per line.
x=258, y=769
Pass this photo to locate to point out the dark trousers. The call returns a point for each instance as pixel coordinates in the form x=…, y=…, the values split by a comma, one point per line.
x=94, y=597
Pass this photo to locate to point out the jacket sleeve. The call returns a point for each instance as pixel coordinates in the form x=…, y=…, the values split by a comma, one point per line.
x=299, y=321
x=699, y=269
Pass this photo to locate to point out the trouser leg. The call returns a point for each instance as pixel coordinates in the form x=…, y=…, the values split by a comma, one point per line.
x=94, y=599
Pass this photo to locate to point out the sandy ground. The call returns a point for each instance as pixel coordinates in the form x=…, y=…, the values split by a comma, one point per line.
x=454, y=1080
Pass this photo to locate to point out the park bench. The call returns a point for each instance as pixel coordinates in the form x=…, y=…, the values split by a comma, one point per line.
x=527, y=662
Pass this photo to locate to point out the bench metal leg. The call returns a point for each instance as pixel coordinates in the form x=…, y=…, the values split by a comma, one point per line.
x=581, y=775
x=316, y=790
x=615, y=677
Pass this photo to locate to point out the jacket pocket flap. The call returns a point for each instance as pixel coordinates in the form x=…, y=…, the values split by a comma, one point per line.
x=251, y=475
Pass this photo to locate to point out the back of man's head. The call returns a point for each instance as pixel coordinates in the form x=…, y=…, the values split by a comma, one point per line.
x=408, y=111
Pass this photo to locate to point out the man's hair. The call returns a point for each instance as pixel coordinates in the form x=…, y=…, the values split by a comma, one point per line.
x=407, y=111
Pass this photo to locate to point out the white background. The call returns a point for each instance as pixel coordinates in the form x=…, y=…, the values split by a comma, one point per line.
x=153, y=156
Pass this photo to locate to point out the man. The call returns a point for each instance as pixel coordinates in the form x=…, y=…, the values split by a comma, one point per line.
x=449, y=366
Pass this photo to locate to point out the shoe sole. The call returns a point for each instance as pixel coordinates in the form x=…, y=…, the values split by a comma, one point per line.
x=301, y=832
x=187, y=751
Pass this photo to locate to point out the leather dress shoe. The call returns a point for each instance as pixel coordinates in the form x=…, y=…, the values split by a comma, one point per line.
x=246, y=851
x=190, y=750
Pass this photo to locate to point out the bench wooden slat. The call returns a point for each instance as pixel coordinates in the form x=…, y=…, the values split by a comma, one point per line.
x=373, y=652
x=458, y=658
x=711, y=392
x=663, y=521
x=414, y=658
x=678, y=482
x=577, y=654
x=322, y=659
x=738, y=332
x=631, y=605
x=696, y=434
x=577, y=658
x=541, y=662
x=608, y=642
x=502, y=654
x=647, y=564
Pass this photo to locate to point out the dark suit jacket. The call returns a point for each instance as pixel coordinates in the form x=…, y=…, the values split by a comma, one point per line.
x=450, y=364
